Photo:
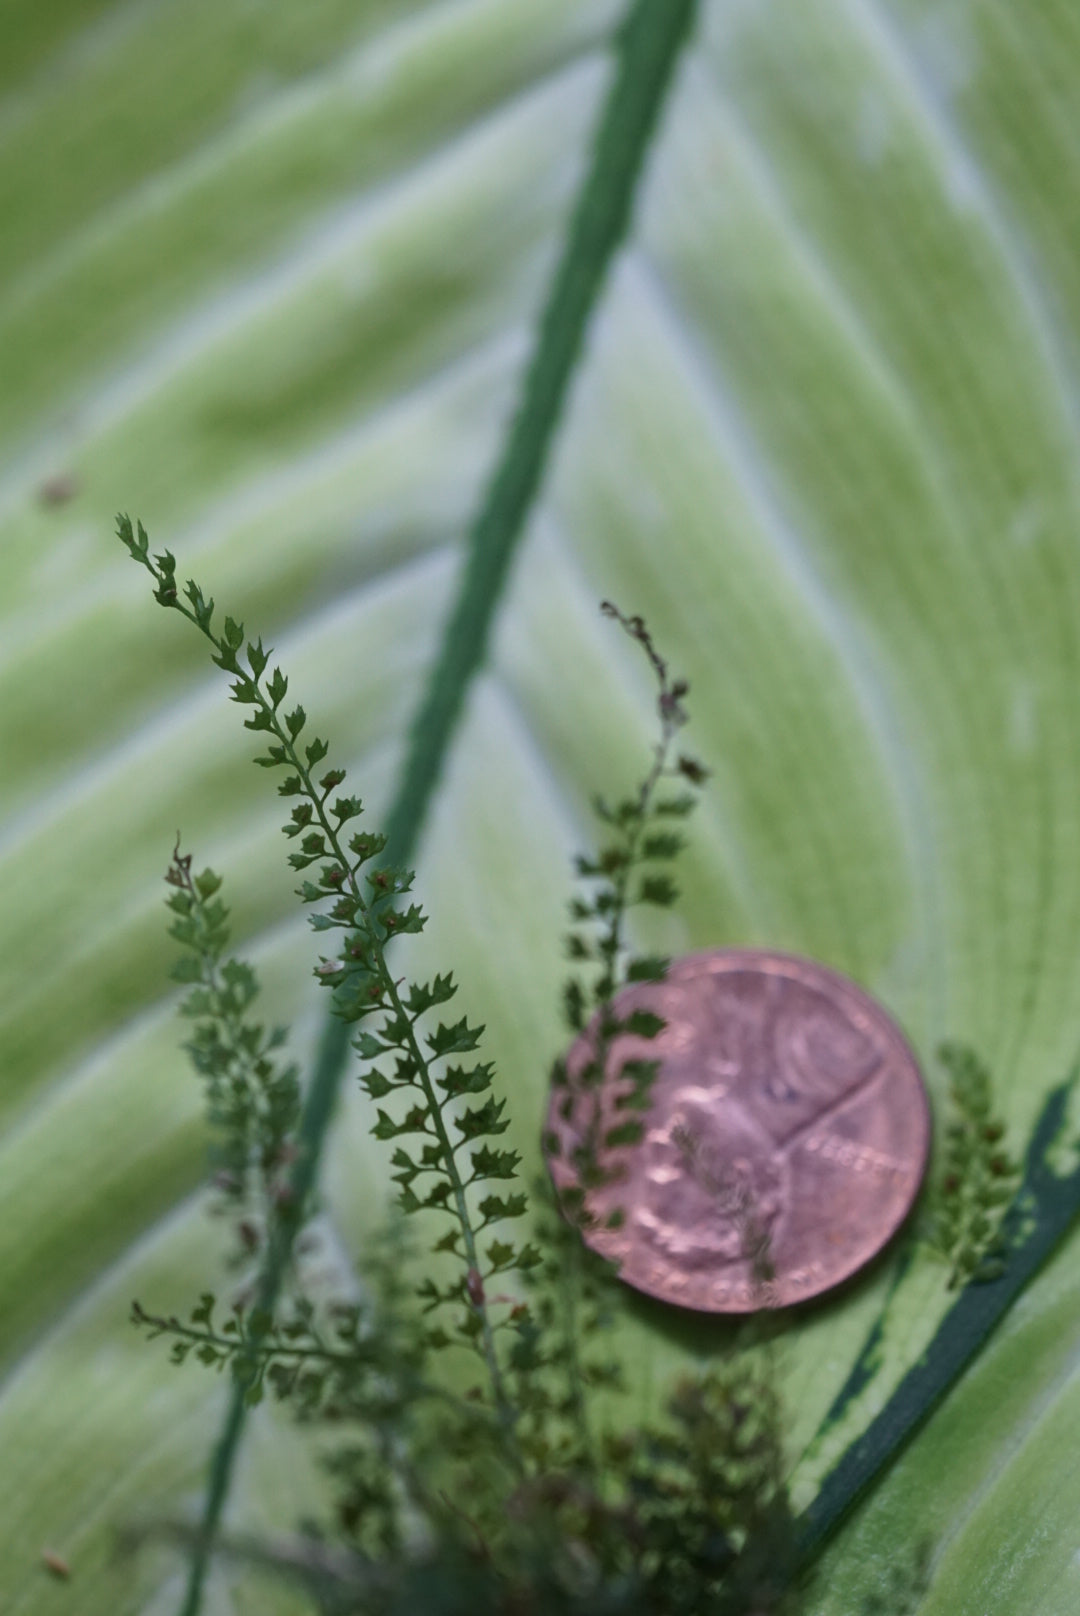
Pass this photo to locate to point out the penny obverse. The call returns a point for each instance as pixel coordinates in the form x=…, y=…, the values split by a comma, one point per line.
x=788, y=1114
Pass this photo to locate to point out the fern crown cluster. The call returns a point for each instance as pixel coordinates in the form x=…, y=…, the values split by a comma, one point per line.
x=567, y=1508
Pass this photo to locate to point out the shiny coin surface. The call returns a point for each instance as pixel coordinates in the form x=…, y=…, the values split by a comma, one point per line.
x=783, y=1142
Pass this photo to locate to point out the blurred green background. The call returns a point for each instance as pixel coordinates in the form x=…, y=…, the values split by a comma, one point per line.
x=268, y=276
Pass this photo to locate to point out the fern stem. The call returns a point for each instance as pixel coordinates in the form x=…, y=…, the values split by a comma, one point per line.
x=622, y=876
x=234, y=1346
x=575, y=1378
x=468, y=1235
x=608, y=985
x=389, y=986
x=647, y=50
x=243, y=1059
x=280, y=1234
x=319, y=799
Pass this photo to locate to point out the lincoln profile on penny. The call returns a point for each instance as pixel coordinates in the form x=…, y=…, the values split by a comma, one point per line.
x=788, y=1111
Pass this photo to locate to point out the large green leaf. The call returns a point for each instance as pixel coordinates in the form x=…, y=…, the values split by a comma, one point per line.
x=269, y=280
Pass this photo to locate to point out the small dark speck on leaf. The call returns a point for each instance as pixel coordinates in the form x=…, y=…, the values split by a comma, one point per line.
x=58, y=489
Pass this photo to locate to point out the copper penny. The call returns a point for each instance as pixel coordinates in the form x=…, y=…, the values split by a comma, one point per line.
x=788, y=1116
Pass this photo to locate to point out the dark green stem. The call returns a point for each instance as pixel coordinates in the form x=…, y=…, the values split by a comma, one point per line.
x=647, y=49
x=1045, y=1207
x=575, y=1378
